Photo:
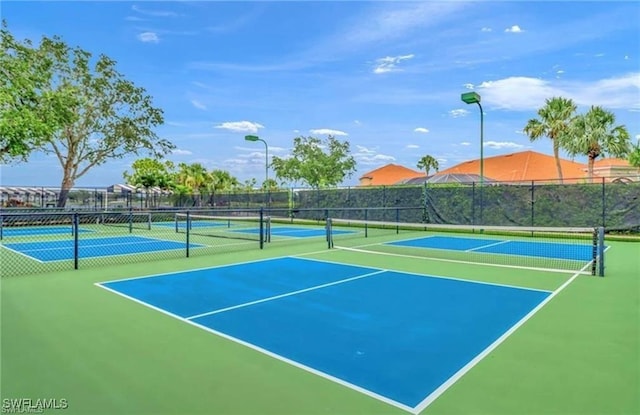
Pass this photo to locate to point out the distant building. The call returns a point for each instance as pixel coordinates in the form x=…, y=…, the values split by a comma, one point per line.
x=388, y=175
x=615, y=170
x=524, y=166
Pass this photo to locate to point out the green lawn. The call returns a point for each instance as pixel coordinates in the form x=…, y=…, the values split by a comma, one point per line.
x=64, y=337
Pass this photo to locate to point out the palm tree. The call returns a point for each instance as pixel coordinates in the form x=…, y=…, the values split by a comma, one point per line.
x=427, y=163
x=594, y=134
x=194, y=177
x=554, y=119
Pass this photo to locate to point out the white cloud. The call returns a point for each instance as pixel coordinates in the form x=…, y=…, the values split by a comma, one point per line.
x=134, y=19
x=296, y=131
x=468, y=86
x=458, y=113
x=413, y=146
x=364, y=150
x=240, y=126
x=486, y=29
x=514, y=29
x=421, y=130
x=156, y=13
x=637, y=136
x=180, y=152
x=377, y=159
x=199, y=105
x=501, y=144
x=327, y=131
x=389, y=63
x=356, y=122
x=465, y=143
x=523, y=93
x=148, y=37
x=560, y=71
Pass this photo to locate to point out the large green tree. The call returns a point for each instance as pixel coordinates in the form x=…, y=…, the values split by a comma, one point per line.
x=595, y=133
x=112, y=117
x=318, y=163
x=148, y=173
x=553, y=121
x=30, y=112
x=634, y=155
x=427, y=163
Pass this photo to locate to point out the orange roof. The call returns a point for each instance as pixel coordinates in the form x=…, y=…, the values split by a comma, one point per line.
x=388, y=175
x=521, y=166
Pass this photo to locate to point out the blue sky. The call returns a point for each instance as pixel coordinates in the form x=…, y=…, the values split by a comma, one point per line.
x=385, y=76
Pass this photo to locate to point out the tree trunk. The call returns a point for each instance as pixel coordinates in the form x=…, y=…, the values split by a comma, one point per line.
x=67, y=184
x=556, y=154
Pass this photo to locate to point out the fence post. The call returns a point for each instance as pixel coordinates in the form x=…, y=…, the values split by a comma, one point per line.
x=604, y=203
x=473, y=203
x=76, y=248
x=533, y=202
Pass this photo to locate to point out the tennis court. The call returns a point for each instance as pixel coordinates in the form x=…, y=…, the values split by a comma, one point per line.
x=60, y=250
x=399, y=342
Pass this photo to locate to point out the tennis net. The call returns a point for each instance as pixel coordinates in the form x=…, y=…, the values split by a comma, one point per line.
x=129, y=220
x=543, y=248
x=252, y=228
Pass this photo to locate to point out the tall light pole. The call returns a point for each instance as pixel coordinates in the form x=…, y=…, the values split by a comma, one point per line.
x=266, y=167
x=474, y=98
x=266, y=157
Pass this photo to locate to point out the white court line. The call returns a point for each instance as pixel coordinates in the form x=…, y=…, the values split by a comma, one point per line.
x=275, y=297
x=267, y=352
x=487, y=246
x=460, y=373
x=23, y=254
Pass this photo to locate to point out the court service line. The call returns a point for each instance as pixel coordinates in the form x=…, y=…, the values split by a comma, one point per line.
x=460, y=373
x=275, y=297
x=455, y=261
x=487, y=246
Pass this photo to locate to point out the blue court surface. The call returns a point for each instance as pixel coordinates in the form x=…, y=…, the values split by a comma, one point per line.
x=40, y=230
x=395, y=336
x=46, y=251
x=555, y=250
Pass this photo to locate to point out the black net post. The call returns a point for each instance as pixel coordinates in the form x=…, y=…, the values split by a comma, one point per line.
x=601, y=248
x=261, y=228
x=76, y=247
x=329, y=234
x=130, y=220
x=188, y=231
x=1, y=225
